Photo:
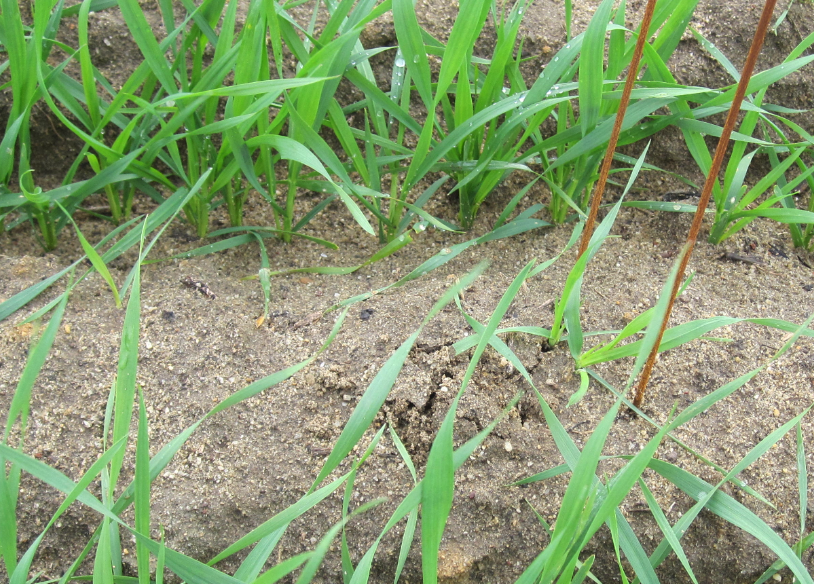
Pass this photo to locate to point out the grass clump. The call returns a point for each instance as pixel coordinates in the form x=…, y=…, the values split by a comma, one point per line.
x=277, y=130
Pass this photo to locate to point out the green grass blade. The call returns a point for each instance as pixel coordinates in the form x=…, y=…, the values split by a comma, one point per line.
x=282, y=569
x=734, y=512
x=141, y=500
x=95, y=258
x=667, y=530
x=292, y=150
x=462, y=37
x=319, y=553
x=19, y=409
x=347, y=563
x=281, y=519
x=20, y=403
x=250, y=567
x=411, y=502
x=437, y=494
x=801, y=546
x=126, y=373
x=570, y=518
x=412, y=47
x=591, y=68
x=20, y=576
x=147, y=43
x=380, y=387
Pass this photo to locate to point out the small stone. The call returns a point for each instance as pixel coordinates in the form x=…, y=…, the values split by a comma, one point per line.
x=508, y=446
x=776, y=413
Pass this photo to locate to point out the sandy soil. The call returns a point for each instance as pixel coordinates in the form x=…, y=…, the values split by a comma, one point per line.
x=246, y=464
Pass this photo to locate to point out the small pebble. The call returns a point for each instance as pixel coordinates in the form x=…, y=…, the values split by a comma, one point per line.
x=508, y=446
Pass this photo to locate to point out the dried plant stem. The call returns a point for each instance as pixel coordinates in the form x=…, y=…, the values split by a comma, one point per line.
x=632, y=74
x=712, y=176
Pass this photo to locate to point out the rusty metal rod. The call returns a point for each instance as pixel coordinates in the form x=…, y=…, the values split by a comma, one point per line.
x=632, y=74
x=720, y=152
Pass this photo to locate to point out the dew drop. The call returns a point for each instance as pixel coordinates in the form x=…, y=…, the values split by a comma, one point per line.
x=556, y=59
x=415, y=59
x=702, y=494
x=446, y=251
x=732, y=200
x=522, y=98
x=677, y=207
x=400, y=62
x=567, y=46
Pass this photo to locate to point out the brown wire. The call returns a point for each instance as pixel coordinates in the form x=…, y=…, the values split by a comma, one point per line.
x=632, y=74
x=720, y=151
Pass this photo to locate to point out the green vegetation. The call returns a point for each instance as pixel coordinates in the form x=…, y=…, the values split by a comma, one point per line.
x=212, y=116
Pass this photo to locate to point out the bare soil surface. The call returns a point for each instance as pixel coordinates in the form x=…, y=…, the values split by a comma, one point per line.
x=250, y=462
